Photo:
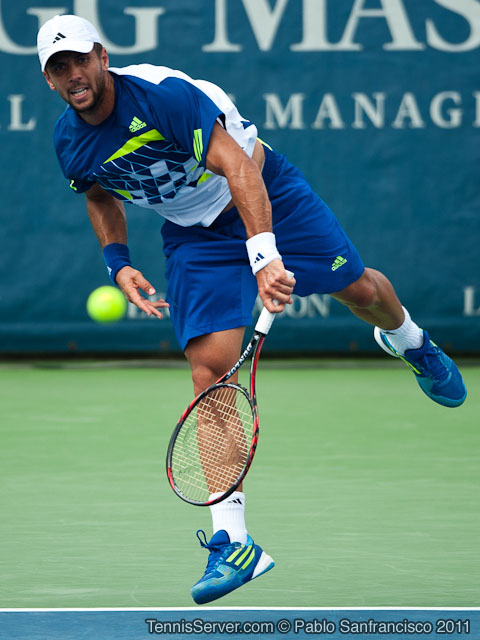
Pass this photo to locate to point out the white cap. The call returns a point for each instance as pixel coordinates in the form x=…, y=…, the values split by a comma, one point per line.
x=65, y=33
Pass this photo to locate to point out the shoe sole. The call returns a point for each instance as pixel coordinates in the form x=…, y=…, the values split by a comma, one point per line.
x=263, y=565
x=444, y=401
x=379, y=340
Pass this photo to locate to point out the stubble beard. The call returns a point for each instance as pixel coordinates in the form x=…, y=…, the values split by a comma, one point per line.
x=97, y=98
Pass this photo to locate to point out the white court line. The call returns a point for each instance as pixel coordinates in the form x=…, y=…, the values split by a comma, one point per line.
x=199, y=610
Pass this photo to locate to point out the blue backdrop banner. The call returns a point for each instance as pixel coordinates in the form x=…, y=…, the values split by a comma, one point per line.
x=377, y=101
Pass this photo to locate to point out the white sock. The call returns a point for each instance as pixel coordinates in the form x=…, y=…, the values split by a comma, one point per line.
x=229, y=514
x=407, y=336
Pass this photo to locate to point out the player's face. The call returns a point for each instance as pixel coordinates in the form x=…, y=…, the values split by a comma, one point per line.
x=79, y=78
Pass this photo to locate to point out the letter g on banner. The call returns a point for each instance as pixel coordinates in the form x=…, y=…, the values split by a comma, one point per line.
x=146, y=36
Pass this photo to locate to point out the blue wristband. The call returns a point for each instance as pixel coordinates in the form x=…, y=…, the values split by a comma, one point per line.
x=116, y=256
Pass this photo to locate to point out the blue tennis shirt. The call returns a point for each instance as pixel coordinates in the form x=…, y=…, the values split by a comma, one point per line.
x=151, y=150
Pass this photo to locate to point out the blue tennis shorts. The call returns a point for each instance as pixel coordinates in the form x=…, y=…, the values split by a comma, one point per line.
x=210, y=282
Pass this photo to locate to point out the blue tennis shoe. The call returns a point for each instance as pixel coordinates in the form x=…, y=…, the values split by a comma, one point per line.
x=437, y=375
x=229, y=566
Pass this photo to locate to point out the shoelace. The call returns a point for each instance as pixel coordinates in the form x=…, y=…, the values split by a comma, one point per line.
x=215, y=549
x=432, y=362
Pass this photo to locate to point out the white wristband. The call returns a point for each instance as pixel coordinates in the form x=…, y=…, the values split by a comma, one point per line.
x=262, y=250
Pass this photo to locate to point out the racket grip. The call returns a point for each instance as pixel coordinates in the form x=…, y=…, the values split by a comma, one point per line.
x=266, y=317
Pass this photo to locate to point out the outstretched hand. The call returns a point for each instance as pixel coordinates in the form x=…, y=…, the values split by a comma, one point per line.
x=130, y=280
x=275, y=285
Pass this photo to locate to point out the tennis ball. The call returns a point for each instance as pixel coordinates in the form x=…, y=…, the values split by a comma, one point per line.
x=106, y=304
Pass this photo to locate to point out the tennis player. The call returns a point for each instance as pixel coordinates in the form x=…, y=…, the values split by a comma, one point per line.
x=237, y=213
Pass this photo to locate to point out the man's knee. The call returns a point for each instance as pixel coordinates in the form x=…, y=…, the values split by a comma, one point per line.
x=211, y=355
x=207, y=366
x=204, y=375
x=363, y=293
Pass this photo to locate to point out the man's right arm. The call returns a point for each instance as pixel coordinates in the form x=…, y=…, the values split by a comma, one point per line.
x=107, y=216
x=108, y=219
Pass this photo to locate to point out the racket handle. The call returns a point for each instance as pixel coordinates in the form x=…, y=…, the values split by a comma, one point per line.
x=266, y=317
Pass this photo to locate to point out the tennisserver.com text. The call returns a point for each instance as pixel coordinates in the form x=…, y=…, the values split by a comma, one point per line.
x=300, y=626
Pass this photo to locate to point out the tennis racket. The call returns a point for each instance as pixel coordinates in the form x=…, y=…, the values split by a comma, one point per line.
x=213, y=444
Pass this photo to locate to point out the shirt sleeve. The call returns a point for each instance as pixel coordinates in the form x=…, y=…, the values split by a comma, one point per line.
x=80, y=186
x=64, y=147
x=186, y=116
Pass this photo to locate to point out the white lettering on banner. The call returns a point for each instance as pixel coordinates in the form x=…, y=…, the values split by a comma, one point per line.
x=145, y=18
x=312, y=306
x=16, y=123
x=265, y=22
x=408, y=115
x=286, y=117
x=328, y=109
x=455, y=115
x=408, y=110
x=315, y=305
x=146, y=37
x=476, y=95
x=445, y=109
x=265, y=18
x=134, y=313
x=468, y=9
x=396, y=18
x=9, y=46
x=375, y=112
x=221, y=42
x=469, y=302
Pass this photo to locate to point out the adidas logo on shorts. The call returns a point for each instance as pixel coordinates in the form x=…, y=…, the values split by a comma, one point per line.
x=338, y=262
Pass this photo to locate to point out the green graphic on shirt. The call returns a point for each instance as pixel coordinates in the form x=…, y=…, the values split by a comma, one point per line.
x=135, y=143
x=198, y=144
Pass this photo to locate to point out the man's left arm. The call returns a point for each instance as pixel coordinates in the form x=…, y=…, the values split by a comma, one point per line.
x=225, y=157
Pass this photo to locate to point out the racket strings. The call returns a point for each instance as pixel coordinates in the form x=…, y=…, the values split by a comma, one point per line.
x=213, y=445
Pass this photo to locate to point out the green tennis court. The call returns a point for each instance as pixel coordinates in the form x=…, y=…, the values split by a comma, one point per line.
x=363, y=491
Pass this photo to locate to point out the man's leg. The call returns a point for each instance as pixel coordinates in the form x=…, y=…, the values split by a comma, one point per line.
x=234, y=558
x=373, y=299
x=211, y=355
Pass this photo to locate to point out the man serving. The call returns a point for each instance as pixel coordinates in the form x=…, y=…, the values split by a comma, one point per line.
x=237, y=214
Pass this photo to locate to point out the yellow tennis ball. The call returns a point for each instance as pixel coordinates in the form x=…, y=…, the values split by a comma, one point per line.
x=106, y=304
